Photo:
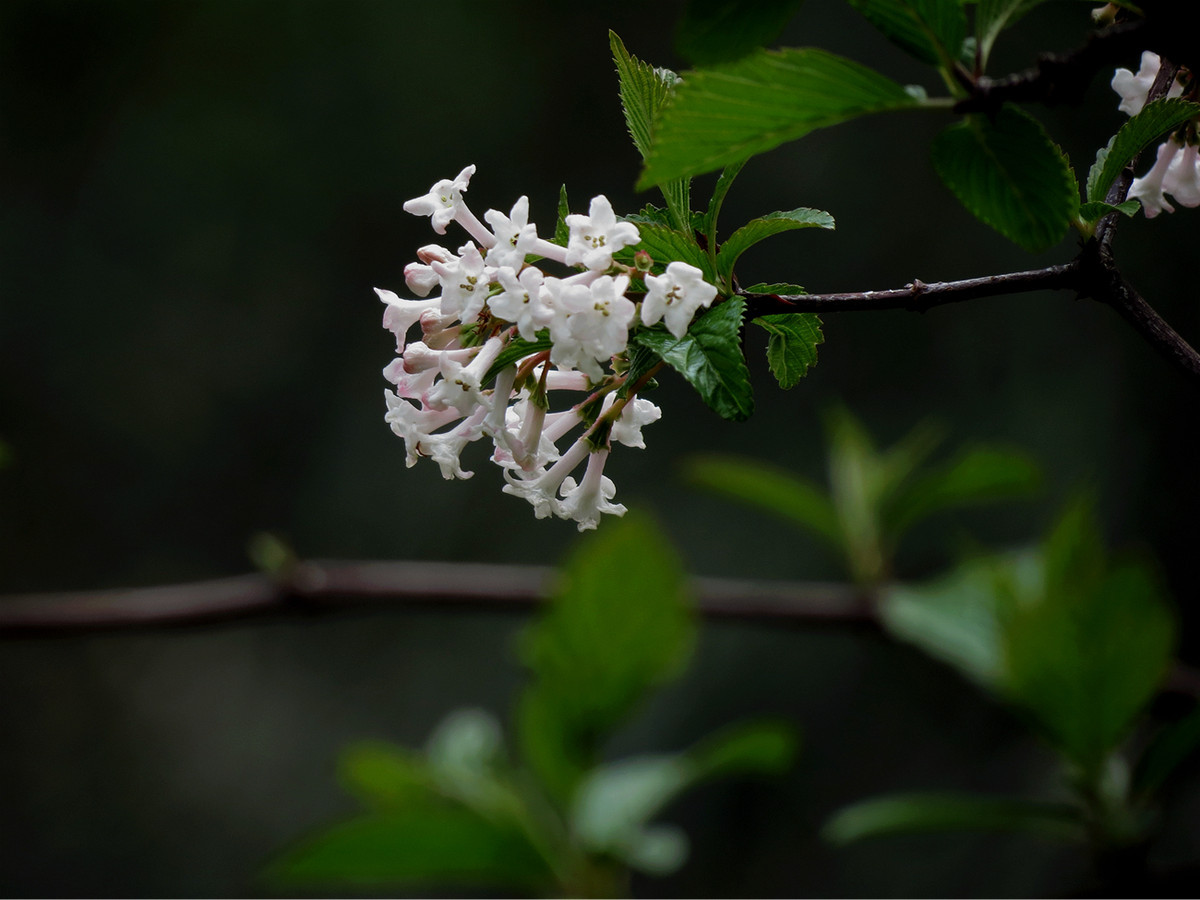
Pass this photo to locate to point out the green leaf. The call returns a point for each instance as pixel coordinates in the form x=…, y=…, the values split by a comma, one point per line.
x=516, y=350
x=931, y=30
x=716, y=31
x=757, y=229
x=644, y=91
x=934, y=812
x=764, y=747
x=710, y=357
x=777, y=491
x=619, y=624
x=1134, y=136
x=1087, y=647
x=1173, y=745
x=385, y=776
x=954, y=618
x=1084, y=662
x=993, y=16
x=726, y=114
x=562, y=233
x=423, y=847
x=615, y=802
x=665, y=245
x=792, y=348
x=1010, y=175
x=1092, y=212
x=977, y=475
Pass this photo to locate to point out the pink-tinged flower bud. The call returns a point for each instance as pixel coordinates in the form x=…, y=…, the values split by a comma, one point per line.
x=420, y=279
x=642, y=261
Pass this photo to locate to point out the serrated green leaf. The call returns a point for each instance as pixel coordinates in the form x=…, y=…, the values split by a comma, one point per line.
x=515, y=350
x=710, y=357
x=1092, y=212
x=665, y=244
x=619, y=624
x=764, y=227
x=792, y=348
x=931, y=30
x=771, y=489
x=1010, y=175
x=716, y=31
x=728, y=113
x=977, y=475
x=644, y=91
x=934, y=812
x=1134, y=136
x=562, y=233
x=777, y=288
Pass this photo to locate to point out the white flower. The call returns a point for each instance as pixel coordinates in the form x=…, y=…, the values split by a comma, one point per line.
x=1149, y=188
x=414, y=424
x=401, y=315
x=1182, y=180
x=419, y=276
x=515, y=235
x=627, y=429
x=586, y=501
x=443, y=201
x=675, y=296
x=594, y=238
x=465, y=280
x=1134, y=88
x=521, y=301
x=462, y=386
x=540, y=490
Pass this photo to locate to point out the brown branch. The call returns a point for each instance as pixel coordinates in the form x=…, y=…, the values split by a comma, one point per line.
x=917, y=296
x=332, y=586
x=1058, y=77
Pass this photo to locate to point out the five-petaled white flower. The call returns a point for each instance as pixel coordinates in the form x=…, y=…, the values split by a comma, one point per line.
x=594, y=238
x=675, y=296
x=443, y=201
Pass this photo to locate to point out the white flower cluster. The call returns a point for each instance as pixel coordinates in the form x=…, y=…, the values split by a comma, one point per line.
x=1176, y=171
x=467, y=378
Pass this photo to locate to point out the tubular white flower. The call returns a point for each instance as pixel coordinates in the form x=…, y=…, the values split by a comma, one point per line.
x=461, y=386
x=414, y=424
x=586, y=501
x=675, y=296
x=1182, y=180
x=1149, y=188
x=540, y=491
x=627, y=429
x=444, y=200
x=1135, y=88
x=400, y=315
x=594, y=238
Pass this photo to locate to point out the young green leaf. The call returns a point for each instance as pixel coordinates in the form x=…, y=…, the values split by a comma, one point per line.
x=562, y=234
x=935, y=812
x=1092, y=212
x=931, y=30
x=1010, y=175
x=774, y=490
x=1085, y=651
x=384, y=776
x=710, y=357
x=618, y=625
x=517, y=349
x=644, y=91
x=759, y=229
x=1134, y=136
x=419, y=847
x=764, y=747
x=717, y=31
x=726, y=114
x=976, y=475
x=792, y=348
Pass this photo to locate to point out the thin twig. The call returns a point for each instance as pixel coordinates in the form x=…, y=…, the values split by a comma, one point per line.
x=917, y=296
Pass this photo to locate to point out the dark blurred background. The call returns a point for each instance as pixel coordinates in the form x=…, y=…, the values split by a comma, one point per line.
x=196, y=199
